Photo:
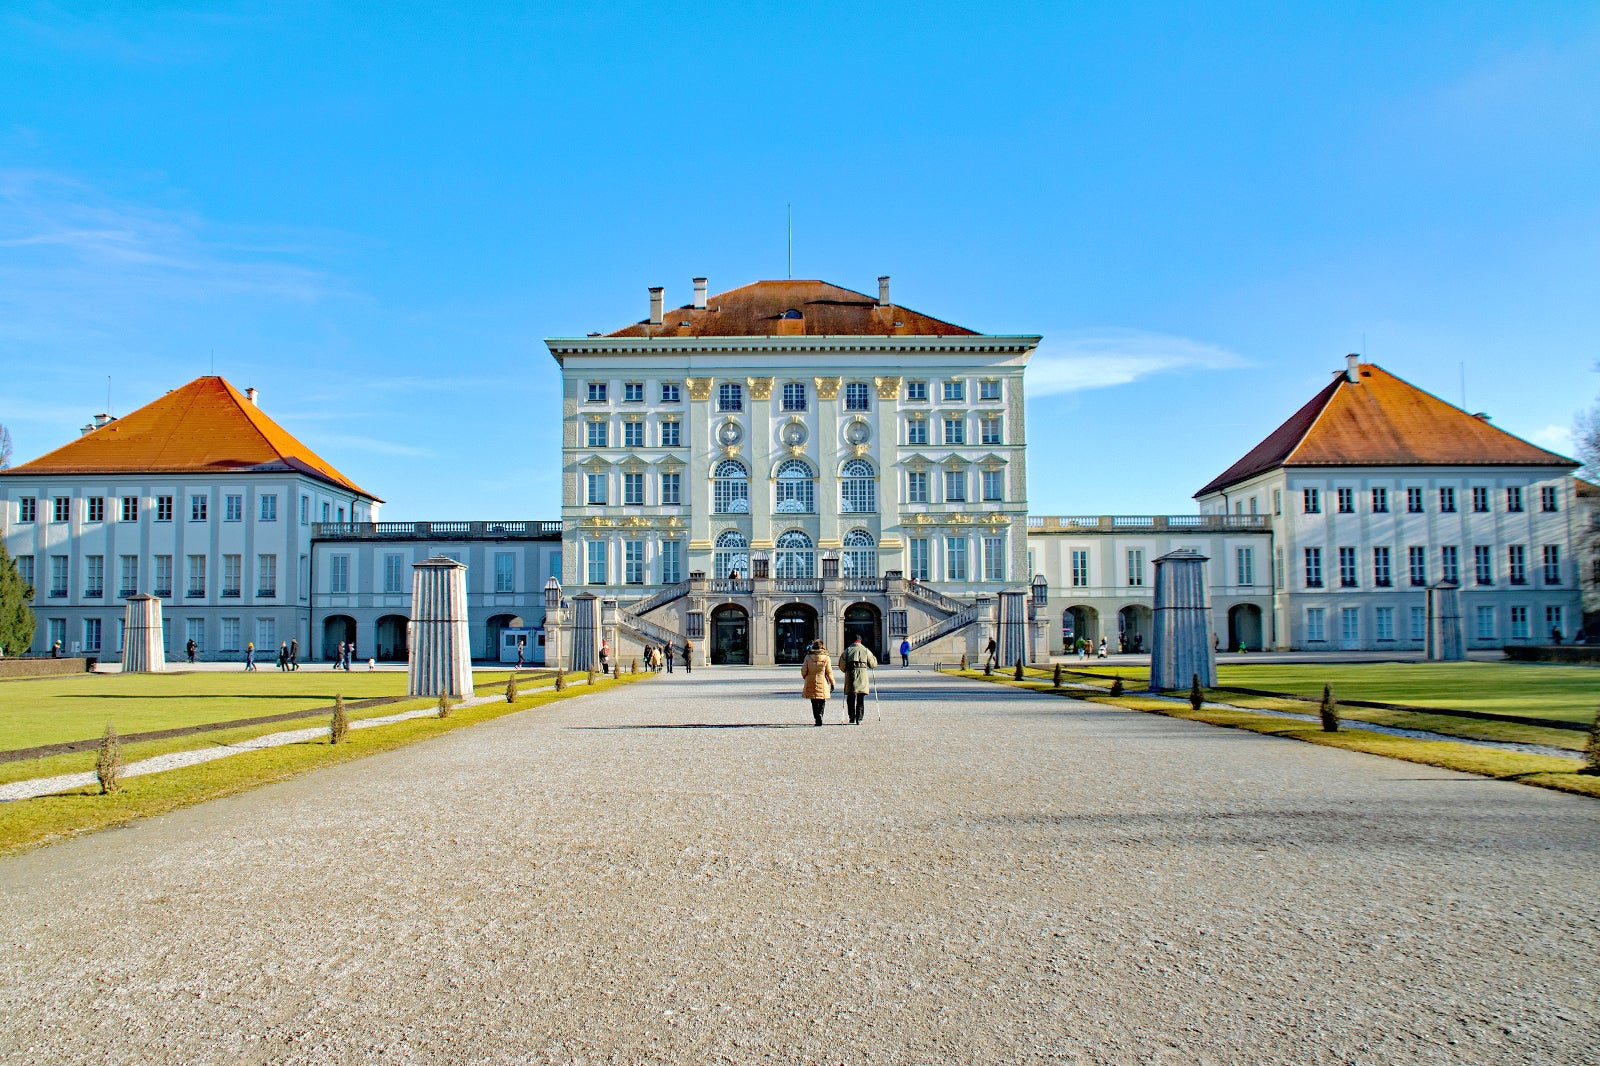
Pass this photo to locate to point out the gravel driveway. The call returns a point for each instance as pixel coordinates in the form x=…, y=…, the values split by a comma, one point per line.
x=687, y=871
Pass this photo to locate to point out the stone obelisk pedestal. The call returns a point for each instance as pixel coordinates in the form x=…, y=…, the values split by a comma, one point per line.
x=143, y=643
x=1444, y=623
x=1011, y=644
x=1181, y=645
x=440, y=641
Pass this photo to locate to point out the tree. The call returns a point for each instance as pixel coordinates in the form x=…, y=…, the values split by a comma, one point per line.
x=1328, y=710
x=5, y=447
x=16, y=617
x=339, y=725
x=108, y=766
x=1197, y=696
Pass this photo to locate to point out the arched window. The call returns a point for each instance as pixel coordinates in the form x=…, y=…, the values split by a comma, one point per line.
x=858, y=488
x=860, y=555
x=730, y=488
x=732, y=553
x=796, y=489
x=796, y=556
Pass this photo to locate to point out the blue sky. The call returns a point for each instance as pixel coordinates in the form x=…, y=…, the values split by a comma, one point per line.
x=374, y=214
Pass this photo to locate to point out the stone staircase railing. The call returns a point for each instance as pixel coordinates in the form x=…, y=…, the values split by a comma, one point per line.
x=944, y=627
x=660, y=599
x=648, y=631
x=933, y=598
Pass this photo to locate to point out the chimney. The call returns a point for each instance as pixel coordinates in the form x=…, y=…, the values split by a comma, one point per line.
x=700, y=293
x=100, y=420
x=250, y=394
x=1352, y=364
x=656, y=300
x=86, y=430
x=883, y=290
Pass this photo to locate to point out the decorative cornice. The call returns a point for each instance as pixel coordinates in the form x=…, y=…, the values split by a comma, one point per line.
x=760, y=388
x=699, y=388
x=992, y=344
x=827, y=388
x=888, y=388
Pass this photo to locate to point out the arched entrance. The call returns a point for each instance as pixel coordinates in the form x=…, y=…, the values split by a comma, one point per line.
x=1133, y=628
x=1079, y=623
x=730, y=636
x=794, y=626
x=336, y=627
x=863, y=620
x=491, y=640
x=1244, y=627
x=392, y=638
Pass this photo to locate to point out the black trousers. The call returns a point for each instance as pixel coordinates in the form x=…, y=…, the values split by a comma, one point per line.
x=817, y=707
x=856, y=704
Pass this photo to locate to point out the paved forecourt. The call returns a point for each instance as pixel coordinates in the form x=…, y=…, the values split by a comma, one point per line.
x=686, y=870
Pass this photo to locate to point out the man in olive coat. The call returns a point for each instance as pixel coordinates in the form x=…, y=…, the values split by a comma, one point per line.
x=857, y=664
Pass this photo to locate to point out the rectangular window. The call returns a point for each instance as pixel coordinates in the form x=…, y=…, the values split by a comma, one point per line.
x=1311, y=501
x=596, y=485
x=1313, y=568
x=1314, y=624
x=233, y=508
x=916, y=487
x=1417, y=558
x=955, y=486
x=1419, y=623
x=197, y=508
x=1517, y=564
x=1519, y=623
x=916, y=391
x=1552, y=564
x=671, y=433
x=633, y=392
x=505, y=572
x=1350, y=626
x=1383, y=623
x=1413, y=501
x=25, y=571
x=1347, y=568
x=59, y=573
x=394, y=574
x=163, y=581
x=1450, y=564
x=671, y=488
x=269, y=507
x=730, y=396
x=94, y=576
x=989, y=429
x=1244, y=563
x=856, y=396
x=197, y=577
x=232, y=567
x=633, y=433
x=669, y=392
x=597, y=392
x=1447, y=500
x=1080, y=568
x=129, y=576
x=994, y=558
x=1485, y=623
x=266, y=636
x=91, y=634
x=1514, y=498
x=266, y=576
x=95, y=509
x=1482, y=565
x=955, y=430
x=1552, y=622
x=27, y=509
x=919, y=558
x=305, y=510
x=955, y=390
x=916, y=431
x=633, y=489
x=595, y=435
x=1380, y=501
x=230, y=634
x=955, y=559
x=339, y=574
x=61, y=510
x=1136, y=567
x=794, y=396
x=1547, y=498
x=994, y=484
x=1480, y=499
x=596, y=555
x=989, y=390
x=1277, y=501
x=633, y=562
x=1380, y=568
x=671, y=562
x=195, y=630
x=1347, y=501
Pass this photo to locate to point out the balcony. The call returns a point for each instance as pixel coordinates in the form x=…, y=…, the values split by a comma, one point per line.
x=1182, y=523
x=494, y=530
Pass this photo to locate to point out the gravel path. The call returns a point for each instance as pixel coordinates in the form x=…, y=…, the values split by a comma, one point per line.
x=685, y=871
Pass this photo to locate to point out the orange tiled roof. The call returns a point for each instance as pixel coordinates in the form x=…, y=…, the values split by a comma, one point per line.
x=758, y=310
x=204, y=427
x=1383, y=421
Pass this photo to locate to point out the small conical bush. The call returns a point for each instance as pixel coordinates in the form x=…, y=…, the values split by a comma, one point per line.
x=1017, y=676
x=1329, y=710
x=108, y=767
x=1197, y=695
x=511, y=689
x=963, y=662
x=1591, y=751
x=444, y=705
x=633, y=666
x=1055, y=681
x=339, y=726
x=561, y=680
x=1116, y=685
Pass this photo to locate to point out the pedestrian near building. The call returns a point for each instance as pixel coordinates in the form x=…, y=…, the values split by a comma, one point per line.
x=522, y=650
x=250, y=656
x=816, y=677
x=338, y=657
x=605, y=657
x=667, y=648
x=283, y=656
x=857, y=664
x=688, y=656
x=191, y=648
x=905, y=653
x=294, y=653
x=991, y=653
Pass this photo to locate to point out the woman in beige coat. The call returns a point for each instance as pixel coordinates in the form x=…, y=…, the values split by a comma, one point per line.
x=817, y=677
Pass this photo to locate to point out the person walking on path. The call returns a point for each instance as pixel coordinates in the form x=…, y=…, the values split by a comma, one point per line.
x=283, y=656
x=905, y=654
x=250, y=656
x=605, y=657
x=338, y=657
x=667, y=648
x=990, y=653
x=816, y=677
x=190, y=648
x=522, y=648
x=294, y=653
x=857, y=664
x=688, y=656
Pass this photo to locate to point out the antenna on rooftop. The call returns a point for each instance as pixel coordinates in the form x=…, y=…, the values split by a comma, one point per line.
x=791, y=242
x=108, y=394
x=1463, y=367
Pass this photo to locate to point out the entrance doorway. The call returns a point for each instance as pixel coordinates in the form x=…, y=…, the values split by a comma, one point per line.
x=863, y=620
x=1079, y=623
x=392, y=638
x=1133, y=627
x=1244, y=627
x=794, y=627
x=730, y=636
x=336, y=627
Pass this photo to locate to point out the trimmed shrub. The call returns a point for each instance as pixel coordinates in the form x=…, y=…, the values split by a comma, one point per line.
x=1056, y=680
x=963, y=662
x=1197, y=695
x=339, y=726
x=1116, y=685
x=1018, y=675
x=633, y=666
x=1591, y=751
x=511, y=689
x=1329, y=710
x=444, y=705
x=561, y=680
x=108, y=767
x=988, y=667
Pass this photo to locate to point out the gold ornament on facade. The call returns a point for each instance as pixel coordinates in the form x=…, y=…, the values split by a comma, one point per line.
x=827, y=388
x=760, y=388
x=699, y=388
x=888, y=388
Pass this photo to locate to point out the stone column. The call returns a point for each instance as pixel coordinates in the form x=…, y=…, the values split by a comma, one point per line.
x=1444, y=623
x=585, y=631
x=1012, y=641
x=143, y=649
x=439, y=640
x=1181, y=645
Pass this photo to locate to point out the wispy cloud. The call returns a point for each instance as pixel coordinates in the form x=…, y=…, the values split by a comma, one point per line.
x=1556, y=438
x=1075, y=360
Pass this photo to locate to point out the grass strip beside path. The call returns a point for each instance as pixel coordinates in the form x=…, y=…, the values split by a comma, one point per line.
x=45, y=819
x=1540, y=770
